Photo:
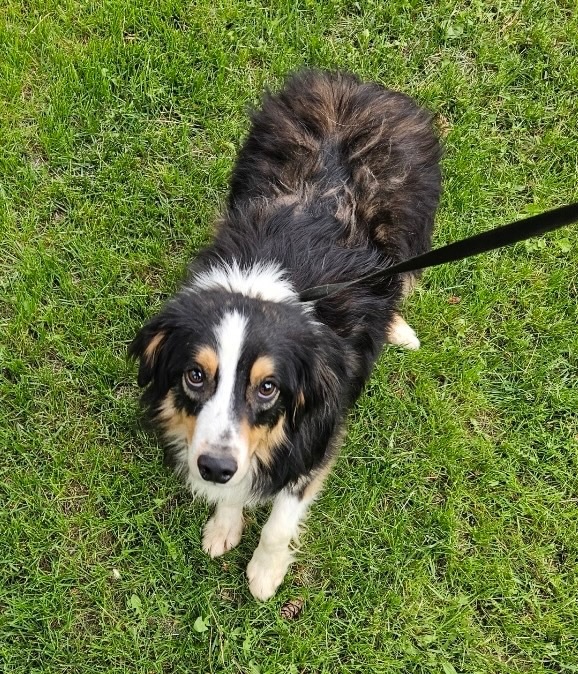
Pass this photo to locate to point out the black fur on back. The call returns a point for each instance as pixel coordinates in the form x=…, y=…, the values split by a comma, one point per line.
x=356, y=151
x=336, y=179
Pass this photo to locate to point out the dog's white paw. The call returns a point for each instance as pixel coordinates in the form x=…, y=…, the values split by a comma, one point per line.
x=401, y=334
x=266, y=572
x=221, y=534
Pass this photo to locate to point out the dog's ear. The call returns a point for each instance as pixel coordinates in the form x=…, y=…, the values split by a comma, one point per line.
x=298, y=408
x=321, y=373
x=147, y=347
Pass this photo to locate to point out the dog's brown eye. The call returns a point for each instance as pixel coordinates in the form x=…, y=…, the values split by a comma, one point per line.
x=195, y=378
x=267, y=389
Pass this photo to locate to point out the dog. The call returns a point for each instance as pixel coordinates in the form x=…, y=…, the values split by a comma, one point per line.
x=250, y=386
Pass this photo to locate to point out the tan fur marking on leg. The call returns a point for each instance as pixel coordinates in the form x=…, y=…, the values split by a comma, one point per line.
x=408, y=284
x=314, y=487
x=316, y=483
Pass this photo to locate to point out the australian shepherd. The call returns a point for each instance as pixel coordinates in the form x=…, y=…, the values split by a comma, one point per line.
x=249, y=385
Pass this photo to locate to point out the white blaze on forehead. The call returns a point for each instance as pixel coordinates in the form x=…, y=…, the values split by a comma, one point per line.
x=263, y=280
x=216, y=417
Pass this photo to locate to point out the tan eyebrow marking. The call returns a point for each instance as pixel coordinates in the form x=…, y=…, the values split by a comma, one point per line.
x=262, y=368
x=207, y=358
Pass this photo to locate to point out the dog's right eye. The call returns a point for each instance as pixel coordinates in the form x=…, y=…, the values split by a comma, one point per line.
x=267, y=389
x=195, y=378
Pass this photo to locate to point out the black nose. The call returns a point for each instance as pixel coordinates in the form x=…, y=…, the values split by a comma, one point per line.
x=216, y=469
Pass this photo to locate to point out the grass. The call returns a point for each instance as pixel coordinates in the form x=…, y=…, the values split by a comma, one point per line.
x=447, y=538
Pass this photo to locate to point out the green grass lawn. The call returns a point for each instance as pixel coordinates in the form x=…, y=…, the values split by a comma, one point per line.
x=447, y=537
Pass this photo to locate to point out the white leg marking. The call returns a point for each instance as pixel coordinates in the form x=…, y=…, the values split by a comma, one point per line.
x=223, y=531
x=273, y=555
x=401, y=334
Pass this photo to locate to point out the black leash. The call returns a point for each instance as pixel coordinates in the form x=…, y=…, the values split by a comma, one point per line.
x=473, y=245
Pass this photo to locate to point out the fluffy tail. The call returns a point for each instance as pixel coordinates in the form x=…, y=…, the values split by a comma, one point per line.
x=364, y=153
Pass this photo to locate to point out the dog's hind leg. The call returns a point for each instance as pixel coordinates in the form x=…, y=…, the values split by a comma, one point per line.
x=401, y=334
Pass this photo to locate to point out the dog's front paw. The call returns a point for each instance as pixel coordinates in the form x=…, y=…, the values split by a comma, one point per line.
x=266, y=572
x=222, y=534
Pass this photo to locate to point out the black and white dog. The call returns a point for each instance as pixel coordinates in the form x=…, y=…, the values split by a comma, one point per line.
x=249, y=385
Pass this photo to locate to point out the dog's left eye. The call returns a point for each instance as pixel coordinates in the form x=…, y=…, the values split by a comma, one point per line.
x=267, y=389
x=195, y=378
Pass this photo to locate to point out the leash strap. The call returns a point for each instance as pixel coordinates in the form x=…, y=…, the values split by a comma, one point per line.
x=474, y=245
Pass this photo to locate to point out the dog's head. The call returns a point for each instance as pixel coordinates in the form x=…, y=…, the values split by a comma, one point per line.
x=231, y=376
